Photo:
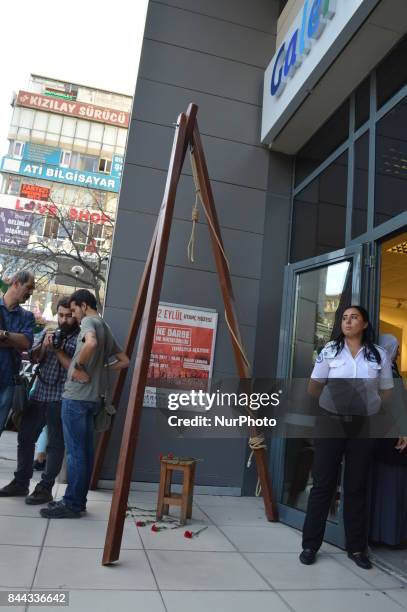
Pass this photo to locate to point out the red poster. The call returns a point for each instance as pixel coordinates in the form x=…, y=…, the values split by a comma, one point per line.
x=35, y=192
x=183, y=347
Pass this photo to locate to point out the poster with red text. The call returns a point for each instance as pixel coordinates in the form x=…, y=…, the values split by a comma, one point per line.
x=183, y=349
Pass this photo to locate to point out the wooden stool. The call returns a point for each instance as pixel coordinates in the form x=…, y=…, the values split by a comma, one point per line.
x=166, y=498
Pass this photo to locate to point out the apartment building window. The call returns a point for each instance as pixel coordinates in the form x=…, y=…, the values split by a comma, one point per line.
x=16, y=149
x=105, y=165
x=66, y=159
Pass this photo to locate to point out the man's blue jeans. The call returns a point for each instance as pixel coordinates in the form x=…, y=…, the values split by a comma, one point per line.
x=6, y=400
x=77, y=422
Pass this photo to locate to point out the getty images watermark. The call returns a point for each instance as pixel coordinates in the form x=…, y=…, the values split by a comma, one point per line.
x=201, y=400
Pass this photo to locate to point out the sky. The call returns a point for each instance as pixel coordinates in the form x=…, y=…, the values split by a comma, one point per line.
x=91, y=42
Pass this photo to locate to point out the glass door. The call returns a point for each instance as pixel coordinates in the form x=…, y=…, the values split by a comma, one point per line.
x=316, y=292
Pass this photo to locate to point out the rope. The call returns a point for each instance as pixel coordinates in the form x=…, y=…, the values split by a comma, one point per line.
x=194, y=218
x=256, y=443
x=191, y=243
x=241, y=349
x=208, y=218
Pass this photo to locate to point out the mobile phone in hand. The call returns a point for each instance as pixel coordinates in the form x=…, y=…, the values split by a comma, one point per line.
x=111, y=362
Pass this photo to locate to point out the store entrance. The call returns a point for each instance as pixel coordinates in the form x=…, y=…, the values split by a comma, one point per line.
x=388, y=520
x=315, y=291
x=393, y=294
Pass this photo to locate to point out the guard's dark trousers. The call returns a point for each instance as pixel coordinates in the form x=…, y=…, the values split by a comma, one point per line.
x=327, y=460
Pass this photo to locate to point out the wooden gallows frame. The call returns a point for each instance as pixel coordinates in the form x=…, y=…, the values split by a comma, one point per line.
x=144, y=317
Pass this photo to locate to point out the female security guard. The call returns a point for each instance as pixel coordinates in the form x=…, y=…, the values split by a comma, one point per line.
x=345, y=402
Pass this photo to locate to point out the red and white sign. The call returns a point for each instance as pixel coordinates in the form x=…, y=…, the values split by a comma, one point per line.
x=47, y=208
x=35, y=192
x=183, y=348
x=83, y=110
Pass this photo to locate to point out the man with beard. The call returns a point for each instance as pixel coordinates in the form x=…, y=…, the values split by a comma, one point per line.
x=16, y=336
x=54, y=355
x=87, y=382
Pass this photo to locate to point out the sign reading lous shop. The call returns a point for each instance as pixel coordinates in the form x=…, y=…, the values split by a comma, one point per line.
x=320, y=31
x=26, y=205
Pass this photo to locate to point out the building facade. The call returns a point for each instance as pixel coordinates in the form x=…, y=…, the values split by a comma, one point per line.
x=302, y=110
x=61, y=179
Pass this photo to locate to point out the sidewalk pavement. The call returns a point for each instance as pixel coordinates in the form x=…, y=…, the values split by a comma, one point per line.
x=240, y=563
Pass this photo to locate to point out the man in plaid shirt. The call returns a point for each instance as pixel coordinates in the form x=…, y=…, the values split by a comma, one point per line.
x=45, y=407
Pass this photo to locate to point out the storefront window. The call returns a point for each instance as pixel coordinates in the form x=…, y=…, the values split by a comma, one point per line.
x=80, y=233
x=321, y=295
x=51, y=228
x=391, y=74
x=14, y=185
x=319, y=213
x=38, y=227
x=328, y=138
x=360, y=186
x=391, y=164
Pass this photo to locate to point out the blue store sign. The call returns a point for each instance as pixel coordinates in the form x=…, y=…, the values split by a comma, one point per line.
x=41, y=153
x=47, y=172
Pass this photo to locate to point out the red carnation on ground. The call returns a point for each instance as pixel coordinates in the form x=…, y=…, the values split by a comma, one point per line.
x=155, y=528
x=188, y=534
x=140, y=524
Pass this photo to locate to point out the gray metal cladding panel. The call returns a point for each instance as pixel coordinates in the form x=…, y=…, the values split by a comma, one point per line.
x=280, y=174
x=224, y=356
x=133, y=235
x=194, y=288
x=259, y=14
x=220, y=117
x=237, y=207
x=153, y=441
x=243, y=248
x=231, y=162
x=123, y=282
x=119, y=321
x=182, y=286
x=209, y=35
x=207, y=73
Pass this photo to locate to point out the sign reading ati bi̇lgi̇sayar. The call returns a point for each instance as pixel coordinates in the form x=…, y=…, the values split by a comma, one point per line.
x=92, y=180
x=319, y=32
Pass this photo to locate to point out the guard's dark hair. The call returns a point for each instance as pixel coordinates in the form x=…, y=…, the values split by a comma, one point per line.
x=65, y=302
x=369, y=349
x=83, y=296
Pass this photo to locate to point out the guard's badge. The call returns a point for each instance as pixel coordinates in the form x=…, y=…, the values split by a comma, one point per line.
x=329, y=351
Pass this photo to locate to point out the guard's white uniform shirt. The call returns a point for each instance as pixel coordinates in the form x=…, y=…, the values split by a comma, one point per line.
x=371, y=376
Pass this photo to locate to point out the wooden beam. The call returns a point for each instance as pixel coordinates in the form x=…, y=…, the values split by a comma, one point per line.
x=135, y=321
x=229, y=302
x=132, y=423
